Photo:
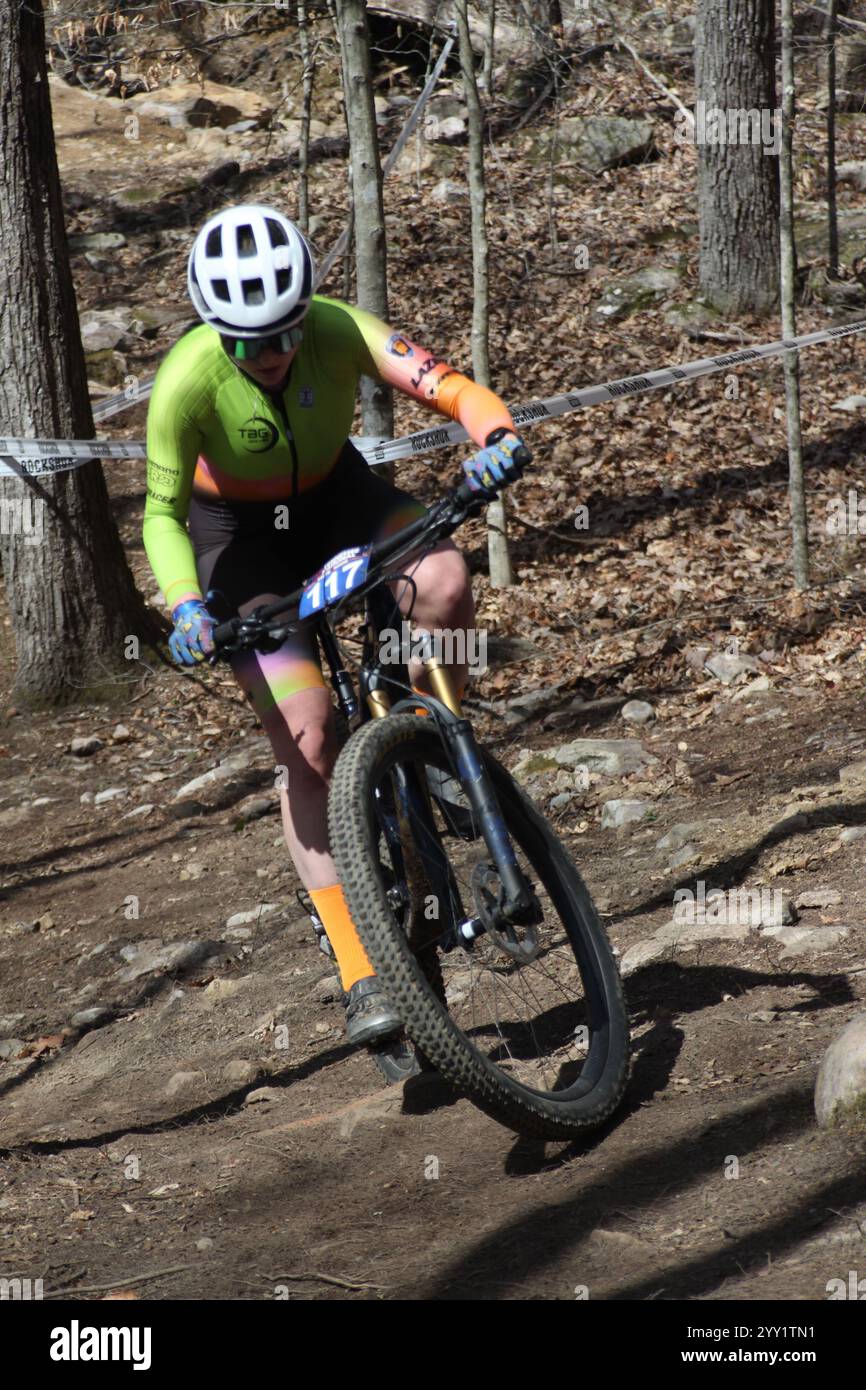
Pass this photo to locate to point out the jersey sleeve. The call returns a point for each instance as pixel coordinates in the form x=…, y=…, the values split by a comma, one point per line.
x=419, y=373
x=173, y=445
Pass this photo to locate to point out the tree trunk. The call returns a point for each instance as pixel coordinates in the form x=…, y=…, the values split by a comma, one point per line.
x=306, y=109
x=737, y=137
x=377, y=410
x=499, y=561
x=796, y=487
x=71, y=596
x=830, y=31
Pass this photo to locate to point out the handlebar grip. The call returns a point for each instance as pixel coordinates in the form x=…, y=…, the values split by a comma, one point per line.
x=224, y=632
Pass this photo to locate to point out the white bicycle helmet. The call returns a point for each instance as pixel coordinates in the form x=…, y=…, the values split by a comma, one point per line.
x=251, y=272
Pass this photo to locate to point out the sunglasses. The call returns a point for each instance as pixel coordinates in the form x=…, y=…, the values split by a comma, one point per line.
x=247, y=349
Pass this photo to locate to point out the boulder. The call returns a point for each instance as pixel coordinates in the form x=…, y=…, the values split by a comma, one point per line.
x=841, y=1083
x=603, y=142
x=198, y=104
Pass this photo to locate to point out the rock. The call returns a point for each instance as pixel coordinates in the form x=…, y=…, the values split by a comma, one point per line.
x=756, y=687
x=9, y=1021
x=45, y=922
x=852, y=832
x=220, y=174
x=254, y=915
x=853, y=171
x=182, y=1081
x=612, y=756
x=254, y=809
x=149, y=956
x=97, y=241
x=621, y=812
x=819, y=897
x=679, y=835
x=43, y=800
x=682, y=856
x=120, y=734
x=728, y=668
x=14, y=815
x=108, y=367
x=642, y=954
x=197, y=104
x=808, y=941
x=840, y=1087
x=105, y=328
x=10, y=1047
x=241, y=127
x=110, y=794
x=691, y=316
x=326, y=991
x=637, y=712
x=561, y=800
x=447, y=191
x=602, y=142
x=850, y=403
x=763, y=1016
x=263, y=1095
x=238, y=934
x=237, y=765
x=89, y=1018
x=641, y=291
x=143, y=810
x=241, y=1071
x=450, y=128
x=83, y=747
x=222, y=989
x=696, y=657
x=204, y=1244
x=853, y=772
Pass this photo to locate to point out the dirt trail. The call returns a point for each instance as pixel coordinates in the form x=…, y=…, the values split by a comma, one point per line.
x=139, y=1144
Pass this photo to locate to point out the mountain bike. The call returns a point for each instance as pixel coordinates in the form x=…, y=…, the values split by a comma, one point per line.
x=469, y=906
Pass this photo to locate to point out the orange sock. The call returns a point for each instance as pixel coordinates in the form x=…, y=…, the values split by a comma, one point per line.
x=352, y=959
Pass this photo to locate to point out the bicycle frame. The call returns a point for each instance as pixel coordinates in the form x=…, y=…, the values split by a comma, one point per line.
x=517, y=903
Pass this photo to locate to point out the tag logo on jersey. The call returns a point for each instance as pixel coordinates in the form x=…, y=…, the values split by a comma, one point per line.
x=258, y=435
x=398, y=346
x=305, y=396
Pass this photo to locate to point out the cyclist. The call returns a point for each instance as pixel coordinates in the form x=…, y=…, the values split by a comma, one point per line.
x=252, y=484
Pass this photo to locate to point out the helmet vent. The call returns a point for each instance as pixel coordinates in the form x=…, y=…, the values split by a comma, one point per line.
x=254, y=292
x=276, y=233
x=214, y=244
x=284, y=280
x=246, y=241
x=221, y=290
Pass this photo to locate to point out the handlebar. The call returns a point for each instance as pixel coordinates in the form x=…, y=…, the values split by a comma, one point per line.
x=438, y=522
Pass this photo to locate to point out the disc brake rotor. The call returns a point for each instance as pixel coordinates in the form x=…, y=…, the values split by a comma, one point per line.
x=521, y=943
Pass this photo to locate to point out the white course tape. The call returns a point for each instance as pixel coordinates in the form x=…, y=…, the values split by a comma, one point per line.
x=35, y=456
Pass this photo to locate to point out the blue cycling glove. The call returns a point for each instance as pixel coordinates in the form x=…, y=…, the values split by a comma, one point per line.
x=497, y=465
x=192, y=639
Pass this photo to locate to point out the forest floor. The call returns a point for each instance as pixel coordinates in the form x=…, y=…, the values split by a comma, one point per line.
x=136, y=1151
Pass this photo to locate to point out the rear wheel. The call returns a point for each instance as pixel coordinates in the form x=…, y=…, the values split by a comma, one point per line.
x=528, y=1022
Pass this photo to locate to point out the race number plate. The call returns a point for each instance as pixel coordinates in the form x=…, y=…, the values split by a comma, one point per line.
x=341, y=574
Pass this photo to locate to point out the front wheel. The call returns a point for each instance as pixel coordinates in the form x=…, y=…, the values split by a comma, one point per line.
x=532, y=1027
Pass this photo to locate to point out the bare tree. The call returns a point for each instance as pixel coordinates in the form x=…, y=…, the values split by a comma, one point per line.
x=796, y=488
x=71, y=596
x=371, y=267
x=497, y=540
x=830, y=31
x=738, y=200
x=306, y=110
